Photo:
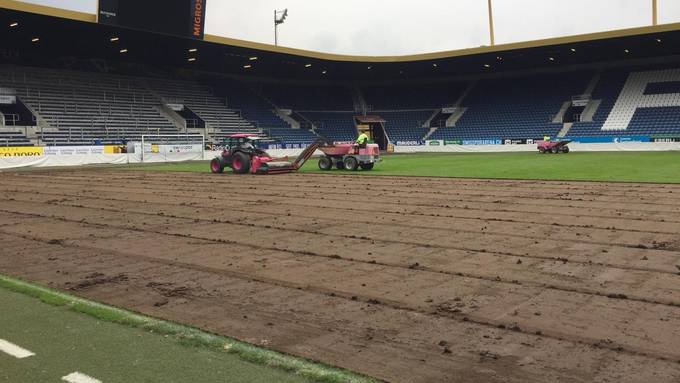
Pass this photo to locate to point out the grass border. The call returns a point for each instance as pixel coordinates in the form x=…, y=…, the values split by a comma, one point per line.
x=186, y=335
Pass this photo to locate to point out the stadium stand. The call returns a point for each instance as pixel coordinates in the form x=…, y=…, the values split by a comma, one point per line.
x=200, y=99
x=239, y=96
x=83, y=108
x=412, y=96
x=521, y=107
x=405, y=125
x=13, y=138
x=641, y=101
x=79, y=107
x=338, y=126
x=307, y=97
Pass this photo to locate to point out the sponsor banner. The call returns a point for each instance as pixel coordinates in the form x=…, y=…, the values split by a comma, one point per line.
x=176, y=107
x=108, y=12
x=72, y=150
x=518, y=141
x=410, y=143
x=178, y=148
x=136, y=147
x=483, y=142
x=453, y=142
x=8, y=99
x=197, y=18
x=665, y=139
x=434, y=142
x=608, y=139
x=20, y=151
x=450, y=110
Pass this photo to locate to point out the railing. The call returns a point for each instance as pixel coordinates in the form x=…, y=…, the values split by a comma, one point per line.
x=10, y=119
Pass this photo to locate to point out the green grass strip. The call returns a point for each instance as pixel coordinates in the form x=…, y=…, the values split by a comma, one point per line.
x=186, y=335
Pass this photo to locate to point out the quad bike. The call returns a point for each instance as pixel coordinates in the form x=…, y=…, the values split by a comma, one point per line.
x=553, y=147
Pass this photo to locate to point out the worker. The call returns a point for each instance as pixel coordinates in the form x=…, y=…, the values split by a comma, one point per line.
x=546, y=138
x=362, y=140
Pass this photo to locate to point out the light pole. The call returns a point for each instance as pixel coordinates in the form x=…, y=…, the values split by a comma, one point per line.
x=279, y=20
x=654, y=13
x=491, y=36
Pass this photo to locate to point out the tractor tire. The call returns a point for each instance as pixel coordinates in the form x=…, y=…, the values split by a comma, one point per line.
x=368, y=166
x=565, y=149
x=351, y=163
x=325, y=163
x=240, y=163
x=216, y=166
x=555, y=150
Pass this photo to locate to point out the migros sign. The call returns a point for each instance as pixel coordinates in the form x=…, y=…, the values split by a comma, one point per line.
x=198, y=18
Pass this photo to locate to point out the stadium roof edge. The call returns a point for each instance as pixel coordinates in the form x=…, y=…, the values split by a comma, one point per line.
x=92, y=18
x=451, y=53
x=48, y=11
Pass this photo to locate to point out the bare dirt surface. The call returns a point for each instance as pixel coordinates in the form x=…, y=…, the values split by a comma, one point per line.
x=403, y=279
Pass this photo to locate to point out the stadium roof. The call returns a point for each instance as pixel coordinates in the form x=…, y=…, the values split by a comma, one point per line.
x=63, y=33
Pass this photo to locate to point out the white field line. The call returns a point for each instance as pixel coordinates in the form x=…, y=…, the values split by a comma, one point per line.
x=14, y=350
x=77, y=377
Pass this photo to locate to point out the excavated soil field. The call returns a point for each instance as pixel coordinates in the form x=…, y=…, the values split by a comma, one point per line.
x=403, y=279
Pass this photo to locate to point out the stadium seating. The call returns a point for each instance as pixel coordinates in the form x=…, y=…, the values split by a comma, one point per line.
x=412, y=96
x=337, y=126
x=86, y=107
x=13, y=138
x=620, y=114
x=201, y=100
x=515, y=108
x=405, y=125
x=308, y=97
x=240, y=97
x=81, y=107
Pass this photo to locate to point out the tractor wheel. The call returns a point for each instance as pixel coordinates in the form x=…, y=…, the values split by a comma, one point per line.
x=340, y=165
x=240, y=163
x=555, y=150
x=325, y=163
x=351, y=163
x=565, y=149
x=216, y=166
x=368, y=166
x=542, y=151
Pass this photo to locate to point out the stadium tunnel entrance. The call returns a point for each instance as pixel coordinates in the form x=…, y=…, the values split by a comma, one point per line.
x=374, y=127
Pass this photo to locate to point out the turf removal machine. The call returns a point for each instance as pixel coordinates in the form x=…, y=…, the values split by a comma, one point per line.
x=242, y=156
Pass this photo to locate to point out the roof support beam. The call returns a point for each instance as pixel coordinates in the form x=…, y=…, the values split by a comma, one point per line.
x=654, y=13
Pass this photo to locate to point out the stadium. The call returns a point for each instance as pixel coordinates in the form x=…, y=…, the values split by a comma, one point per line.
x=177, y=206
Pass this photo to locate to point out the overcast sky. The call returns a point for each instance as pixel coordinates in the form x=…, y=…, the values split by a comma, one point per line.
x=389, y=27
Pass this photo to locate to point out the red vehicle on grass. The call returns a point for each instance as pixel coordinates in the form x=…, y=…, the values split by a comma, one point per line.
x=553, y=147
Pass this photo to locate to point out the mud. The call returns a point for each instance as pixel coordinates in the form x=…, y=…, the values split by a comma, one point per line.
x=403, y=279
